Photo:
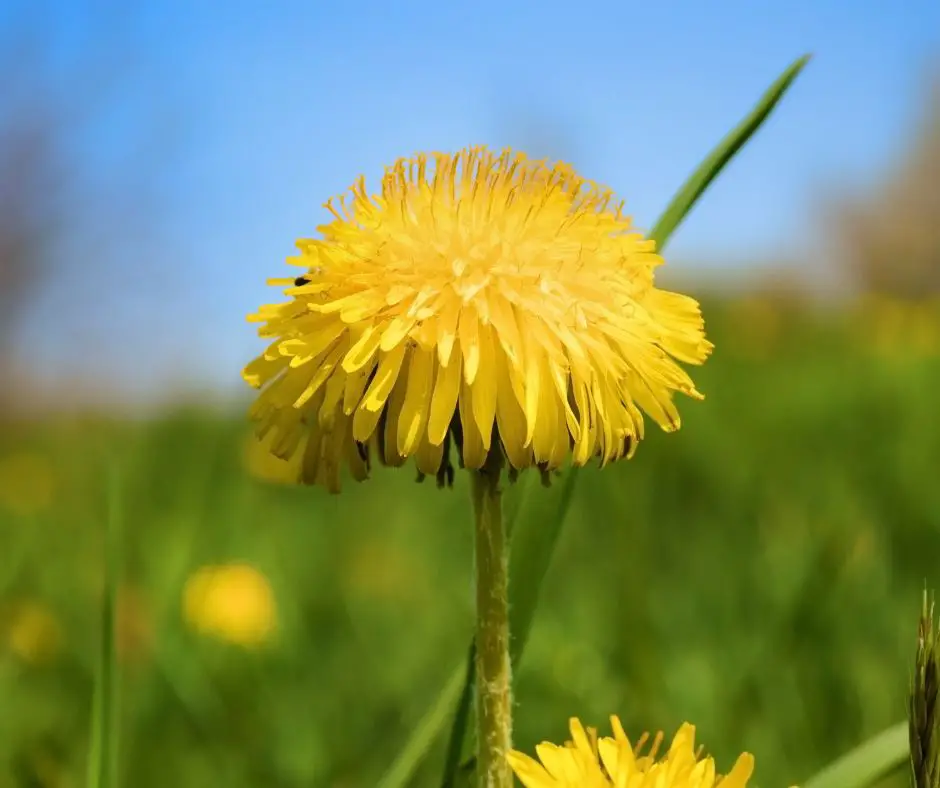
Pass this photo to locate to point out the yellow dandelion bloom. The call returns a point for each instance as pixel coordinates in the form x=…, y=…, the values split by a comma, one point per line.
x=265, y=466
x=589, y=762
x=756, y=324
x=33, y=633
x=27, y=483
x=478, y=300
x=231, y=602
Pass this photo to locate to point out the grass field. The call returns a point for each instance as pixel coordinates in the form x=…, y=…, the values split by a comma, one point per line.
x=759, y=573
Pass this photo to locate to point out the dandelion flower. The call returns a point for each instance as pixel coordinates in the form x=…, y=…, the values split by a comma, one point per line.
x=33, y=633
x=478, y=301
x=27, y=483
x=589, y=762
x=231, y=602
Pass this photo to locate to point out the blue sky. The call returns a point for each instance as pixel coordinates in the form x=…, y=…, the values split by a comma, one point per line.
x=226, y=126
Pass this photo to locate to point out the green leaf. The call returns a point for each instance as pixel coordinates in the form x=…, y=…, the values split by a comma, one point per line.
x=540, y=514
x=715, y=162
x=535, y=531
x=102, y=752
x=871, y=761
x=458, y=732
x=401, y=771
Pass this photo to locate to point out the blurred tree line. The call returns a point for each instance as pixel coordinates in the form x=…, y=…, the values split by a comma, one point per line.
x=30, y=166
x=889, y=238
x=61, y=81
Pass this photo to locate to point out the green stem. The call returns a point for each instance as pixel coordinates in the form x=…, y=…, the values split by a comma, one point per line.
x=494, y=673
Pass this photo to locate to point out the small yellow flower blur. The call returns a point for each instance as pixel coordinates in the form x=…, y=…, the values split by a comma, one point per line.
x=896, y=328
x=33, y=633
x=756, y=327
x=589, y=762
x=382, y=571
x=231, y=602
x=27, y=483
x=479, y=301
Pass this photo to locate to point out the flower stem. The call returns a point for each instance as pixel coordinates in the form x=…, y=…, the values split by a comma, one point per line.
x=493, y=669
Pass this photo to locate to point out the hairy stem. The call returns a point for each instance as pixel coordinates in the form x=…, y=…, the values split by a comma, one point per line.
x=493, y=669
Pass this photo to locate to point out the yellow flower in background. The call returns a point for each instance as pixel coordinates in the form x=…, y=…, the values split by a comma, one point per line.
x=480, y=299
x=383, y=571
x=27, y=483
x=885, y=319
x=231, y=602
x=898, y=327
x=756, y=324
x=925, y=328
x=589, y=762
x=33, y=633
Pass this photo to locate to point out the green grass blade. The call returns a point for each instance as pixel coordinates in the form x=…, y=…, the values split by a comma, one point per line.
x=401, y=771
x=876, y=758
x=539, y=517
x=458, y=731
x=715, y=162
x=102, y=753
x=535, y=532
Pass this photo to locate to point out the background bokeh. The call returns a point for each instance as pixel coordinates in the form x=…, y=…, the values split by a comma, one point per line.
x=759, y=573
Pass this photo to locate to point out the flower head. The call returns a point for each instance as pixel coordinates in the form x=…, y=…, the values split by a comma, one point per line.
x=232, y=602
x=923, y=720
x=484, y=300
x=586, y=762
x=33, y=632
x=27, y=483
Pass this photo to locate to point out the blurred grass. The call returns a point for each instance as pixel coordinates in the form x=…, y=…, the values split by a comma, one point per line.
x=759, y=573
